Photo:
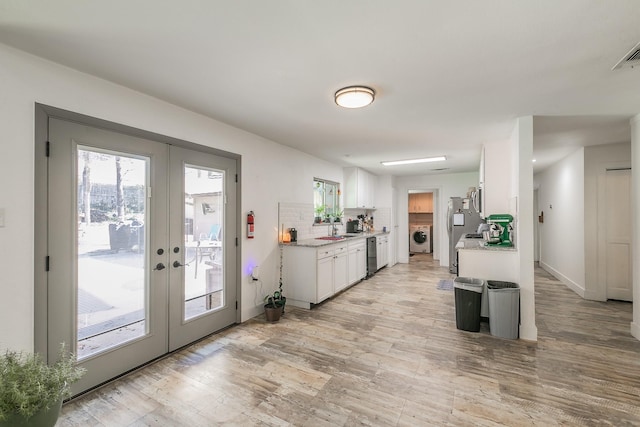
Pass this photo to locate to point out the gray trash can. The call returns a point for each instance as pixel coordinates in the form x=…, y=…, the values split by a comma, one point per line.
x=468, y=296
x=504, y=308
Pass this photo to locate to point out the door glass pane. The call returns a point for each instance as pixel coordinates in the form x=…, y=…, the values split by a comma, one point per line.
x=111, y=258
x=204, y=220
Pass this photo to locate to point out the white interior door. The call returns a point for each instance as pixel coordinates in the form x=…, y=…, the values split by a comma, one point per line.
x=618, y=235
x=135, y=271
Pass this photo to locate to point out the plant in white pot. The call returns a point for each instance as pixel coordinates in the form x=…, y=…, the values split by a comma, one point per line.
x=31, y=392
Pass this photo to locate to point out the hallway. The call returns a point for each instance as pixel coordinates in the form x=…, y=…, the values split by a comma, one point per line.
x=387, y=352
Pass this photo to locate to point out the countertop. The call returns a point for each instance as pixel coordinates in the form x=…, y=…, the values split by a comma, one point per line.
x=481, y=245
x=316, y=243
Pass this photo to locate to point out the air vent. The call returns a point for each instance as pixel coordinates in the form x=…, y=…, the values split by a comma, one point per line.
x=631, y=59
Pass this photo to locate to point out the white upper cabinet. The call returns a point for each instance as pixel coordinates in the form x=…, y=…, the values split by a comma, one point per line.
x=359, y=187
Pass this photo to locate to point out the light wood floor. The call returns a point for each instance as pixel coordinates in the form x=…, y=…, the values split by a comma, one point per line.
x=387, y=352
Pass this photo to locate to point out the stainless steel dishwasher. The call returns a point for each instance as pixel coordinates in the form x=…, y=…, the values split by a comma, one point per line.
x=372, y=258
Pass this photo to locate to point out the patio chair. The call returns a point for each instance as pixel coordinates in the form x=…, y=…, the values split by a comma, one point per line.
x=205, y=239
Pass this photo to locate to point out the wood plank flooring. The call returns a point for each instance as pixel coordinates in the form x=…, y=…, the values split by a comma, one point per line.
x=386, y=352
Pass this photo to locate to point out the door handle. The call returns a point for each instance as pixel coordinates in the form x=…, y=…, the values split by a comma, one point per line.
x=177, y=264
x=159, y=266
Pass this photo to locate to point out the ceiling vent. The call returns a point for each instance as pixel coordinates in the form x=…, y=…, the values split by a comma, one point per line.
x=631, y=59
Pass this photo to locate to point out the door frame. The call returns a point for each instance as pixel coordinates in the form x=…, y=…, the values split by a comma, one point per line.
x=604, y=168
x=594, y=289
x=42, y=115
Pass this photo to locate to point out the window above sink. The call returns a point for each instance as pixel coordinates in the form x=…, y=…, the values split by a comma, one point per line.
x=326, y=202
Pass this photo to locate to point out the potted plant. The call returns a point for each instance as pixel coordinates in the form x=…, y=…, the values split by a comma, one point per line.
x=338, y=217
x=31, y=392
x=319, y=210
x=274, y=306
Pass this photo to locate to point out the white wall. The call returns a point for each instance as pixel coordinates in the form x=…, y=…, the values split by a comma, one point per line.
x=270, y=173
x=596, y=161
x=444, y=187
x=635, y=185
x=561, y=198
x=521, y=206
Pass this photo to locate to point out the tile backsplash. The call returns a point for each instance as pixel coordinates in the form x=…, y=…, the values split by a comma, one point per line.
x=301, y=215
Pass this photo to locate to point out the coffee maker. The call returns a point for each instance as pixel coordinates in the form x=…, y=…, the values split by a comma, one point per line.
x=501, y=230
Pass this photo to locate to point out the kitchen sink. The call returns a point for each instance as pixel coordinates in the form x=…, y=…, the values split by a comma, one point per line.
x=333, y=237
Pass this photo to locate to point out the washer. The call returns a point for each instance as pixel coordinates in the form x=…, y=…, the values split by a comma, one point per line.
x=420, y=238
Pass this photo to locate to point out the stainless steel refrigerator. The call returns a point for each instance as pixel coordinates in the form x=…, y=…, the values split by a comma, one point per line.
x=462, y=219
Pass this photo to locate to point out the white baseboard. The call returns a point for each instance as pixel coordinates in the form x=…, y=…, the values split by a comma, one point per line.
x=529, y=332
x=564, y=279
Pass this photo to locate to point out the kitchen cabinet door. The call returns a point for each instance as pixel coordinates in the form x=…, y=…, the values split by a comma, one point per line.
x=340, y=271
x=361, y=263
x=359, y=188
x=413, y=203
x=357, y=261
x=383, y=252
x=421, y=203
x=324, y=284
x=428, y=202
x=352, y=259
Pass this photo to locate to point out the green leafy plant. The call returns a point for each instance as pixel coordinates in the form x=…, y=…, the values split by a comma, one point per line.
x=28, y=384
x=277, y=299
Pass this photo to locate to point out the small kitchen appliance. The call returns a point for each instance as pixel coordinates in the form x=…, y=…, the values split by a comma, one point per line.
x=354, y=226
x=501, y=230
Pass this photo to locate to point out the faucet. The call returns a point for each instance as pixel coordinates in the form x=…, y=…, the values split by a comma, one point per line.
x=333, y=228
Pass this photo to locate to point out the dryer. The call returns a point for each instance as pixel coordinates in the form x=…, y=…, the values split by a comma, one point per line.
x=420, y=238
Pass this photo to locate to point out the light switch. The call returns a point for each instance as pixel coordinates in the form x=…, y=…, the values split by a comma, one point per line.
x=1, y=217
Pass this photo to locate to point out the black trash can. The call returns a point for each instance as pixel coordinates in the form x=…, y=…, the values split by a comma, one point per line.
x=468, y=296
x=504, y=308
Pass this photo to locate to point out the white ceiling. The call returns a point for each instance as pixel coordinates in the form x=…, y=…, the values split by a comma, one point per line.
x=449, y=75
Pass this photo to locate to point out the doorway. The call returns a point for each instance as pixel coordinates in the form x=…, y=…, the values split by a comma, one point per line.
x=420, y=222
x=140, y=248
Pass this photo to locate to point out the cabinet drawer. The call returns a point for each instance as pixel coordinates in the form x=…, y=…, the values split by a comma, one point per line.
x=361, y=244
x=340, y=250
x=325, y=252
x=331, y=250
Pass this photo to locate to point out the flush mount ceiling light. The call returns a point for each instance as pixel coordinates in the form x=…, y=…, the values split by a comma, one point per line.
x=355, y=96
x=412, y=161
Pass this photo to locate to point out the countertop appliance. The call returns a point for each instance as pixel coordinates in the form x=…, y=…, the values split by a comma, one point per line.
x=462, y=218
x=501, y=230
x=372, y=257
x=354, y=226
x=420, y=238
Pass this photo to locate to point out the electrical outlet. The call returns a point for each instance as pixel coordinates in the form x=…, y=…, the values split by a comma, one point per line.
x=254, y=273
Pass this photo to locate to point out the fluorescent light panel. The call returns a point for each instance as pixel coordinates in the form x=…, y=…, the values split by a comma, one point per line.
x=412, y=161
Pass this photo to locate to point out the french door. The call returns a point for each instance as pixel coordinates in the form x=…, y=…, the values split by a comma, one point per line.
x=141, y=248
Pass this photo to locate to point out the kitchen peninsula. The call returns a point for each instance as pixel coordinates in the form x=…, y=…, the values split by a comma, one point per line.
x=316, y=269
x=479, y=260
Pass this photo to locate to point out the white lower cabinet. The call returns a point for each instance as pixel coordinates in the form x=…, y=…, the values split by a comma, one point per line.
x=382, y=253
x=311, y=275
x=357, y=260
x=340, y=270
x=324, y=282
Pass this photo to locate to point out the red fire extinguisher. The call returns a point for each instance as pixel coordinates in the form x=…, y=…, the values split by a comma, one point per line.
x=250, y=225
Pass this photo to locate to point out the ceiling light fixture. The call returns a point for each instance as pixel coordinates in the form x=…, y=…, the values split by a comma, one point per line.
x=355, y=96
x=412, y=161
